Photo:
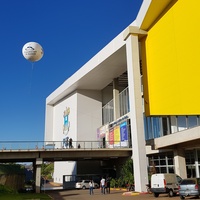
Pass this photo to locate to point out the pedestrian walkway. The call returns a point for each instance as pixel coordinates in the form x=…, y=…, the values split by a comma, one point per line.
x=114, y=195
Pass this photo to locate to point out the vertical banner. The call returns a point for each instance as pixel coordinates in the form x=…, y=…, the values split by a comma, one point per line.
x=66, y=123
x=114, y=135
x=98, y=138
x=111, y=138
x=117, y=136
x=102, y=132
x=103, y=136
x=124, y=134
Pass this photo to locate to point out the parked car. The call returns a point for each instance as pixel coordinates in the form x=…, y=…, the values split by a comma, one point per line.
x=165, y=183
x=84, y=184
x=189, y=187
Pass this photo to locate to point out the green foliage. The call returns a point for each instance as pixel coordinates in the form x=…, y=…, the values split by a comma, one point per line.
x=126, y=175
x=113, y=183
x=11, y=169
x=6, y=189
x=47, y=170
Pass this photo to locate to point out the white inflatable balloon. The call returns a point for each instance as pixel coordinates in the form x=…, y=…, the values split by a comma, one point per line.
x=32, y=51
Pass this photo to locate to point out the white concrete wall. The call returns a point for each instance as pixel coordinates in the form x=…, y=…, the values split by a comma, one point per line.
x=49, y=123
x=58, y=119
x=84, y=118
x=107, y=94
x=63, y=168
x=89, y=114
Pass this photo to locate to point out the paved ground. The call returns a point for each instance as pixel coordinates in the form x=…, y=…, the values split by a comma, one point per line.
x=114, y=195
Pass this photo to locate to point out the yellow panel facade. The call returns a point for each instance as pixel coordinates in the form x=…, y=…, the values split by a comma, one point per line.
x=171, y=61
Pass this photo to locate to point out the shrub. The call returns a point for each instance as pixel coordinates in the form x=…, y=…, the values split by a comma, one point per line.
x=6, y=189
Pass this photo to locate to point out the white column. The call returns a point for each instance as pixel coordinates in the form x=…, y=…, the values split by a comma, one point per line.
x=179, y=162
x=116, y=99
x=136, y=113
x=196, y=163
x=39, y=162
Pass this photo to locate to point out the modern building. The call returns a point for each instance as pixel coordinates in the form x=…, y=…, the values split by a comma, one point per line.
x=144, y=84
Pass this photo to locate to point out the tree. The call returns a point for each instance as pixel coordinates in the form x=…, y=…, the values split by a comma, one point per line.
x=126, y=174
x=47, y=170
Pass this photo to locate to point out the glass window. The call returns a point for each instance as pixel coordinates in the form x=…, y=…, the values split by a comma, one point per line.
x=173, y=121
x=162, y=156
x=156, y=162
x=198, y=154
x=149, y=128
x=182, y=123
x=163, y=170
x=170, y=170
x=165, y=126
x=162, y=162
x=170, y=161
x=192, y=121
x=189, y=157
x=156, y=127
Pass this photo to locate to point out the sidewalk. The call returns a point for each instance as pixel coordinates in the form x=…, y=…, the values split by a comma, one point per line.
x=116, y=194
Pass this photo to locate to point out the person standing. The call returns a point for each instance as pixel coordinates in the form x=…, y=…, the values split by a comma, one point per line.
x=91, y=186
x=67, y=142
x=70, y=143
x=102, y=184
x=108, y=185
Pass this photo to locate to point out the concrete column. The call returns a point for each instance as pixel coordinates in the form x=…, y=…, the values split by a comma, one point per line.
x=38, y=163
x=116, y=99
x=34, y=174
x=136, y=109
x=179, y=162
x=196, y=163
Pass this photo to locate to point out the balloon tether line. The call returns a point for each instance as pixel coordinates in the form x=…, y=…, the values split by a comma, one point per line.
x=31, y=75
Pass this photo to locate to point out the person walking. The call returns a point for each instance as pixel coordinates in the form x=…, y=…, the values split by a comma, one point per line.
x=91, y=187
x=102, y=185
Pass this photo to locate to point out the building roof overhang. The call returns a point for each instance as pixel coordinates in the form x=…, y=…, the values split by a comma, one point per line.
x=185, y=138
x=110, y=62
x=150, y=11
x=97, y=73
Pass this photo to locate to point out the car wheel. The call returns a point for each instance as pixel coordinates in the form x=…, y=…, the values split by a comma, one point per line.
x=197, y=196
x=84, y=187
x=182, y=197
x=156, y=194
x=171, y=193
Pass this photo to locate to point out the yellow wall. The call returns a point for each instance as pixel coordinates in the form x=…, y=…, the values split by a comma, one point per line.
x=171, y=62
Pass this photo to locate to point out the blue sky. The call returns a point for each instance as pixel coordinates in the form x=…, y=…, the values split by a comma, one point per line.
x=70, y=32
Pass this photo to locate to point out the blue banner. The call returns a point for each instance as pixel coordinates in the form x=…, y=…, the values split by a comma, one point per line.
x=124, y=131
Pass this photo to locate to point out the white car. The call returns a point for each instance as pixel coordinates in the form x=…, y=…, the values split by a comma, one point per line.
x=84, y=184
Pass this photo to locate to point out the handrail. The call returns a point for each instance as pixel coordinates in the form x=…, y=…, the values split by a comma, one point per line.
x=52, y=145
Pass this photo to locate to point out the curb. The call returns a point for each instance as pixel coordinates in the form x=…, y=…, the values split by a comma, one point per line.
x=130, y=193
x=134, y=193
x=118, y=189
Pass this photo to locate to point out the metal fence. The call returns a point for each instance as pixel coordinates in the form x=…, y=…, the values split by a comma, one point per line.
x=108, y=109
x=53, y=145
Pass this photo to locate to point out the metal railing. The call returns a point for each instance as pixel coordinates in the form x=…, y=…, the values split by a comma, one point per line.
x=108, y=109
x=59, y=145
